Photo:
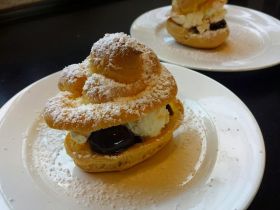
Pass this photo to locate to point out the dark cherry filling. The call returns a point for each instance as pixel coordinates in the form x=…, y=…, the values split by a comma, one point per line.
x=194, y=30
x=113, y=140
x=218, y=25
x=168, y=107
x=213, y=26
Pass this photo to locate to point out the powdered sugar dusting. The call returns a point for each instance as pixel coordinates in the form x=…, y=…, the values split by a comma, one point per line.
x=72, y=73
x=167, y=175
x=112, y=44
x=90, y=88
x=99, y=89
x=69, y=113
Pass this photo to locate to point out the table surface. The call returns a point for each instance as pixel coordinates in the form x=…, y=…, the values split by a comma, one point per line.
x=35, y=47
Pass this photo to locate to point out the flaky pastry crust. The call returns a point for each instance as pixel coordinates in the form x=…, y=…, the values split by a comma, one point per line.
x=121, y=81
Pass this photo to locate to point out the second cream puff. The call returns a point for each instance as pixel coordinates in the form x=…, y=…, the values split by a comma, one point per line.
x=198, y=23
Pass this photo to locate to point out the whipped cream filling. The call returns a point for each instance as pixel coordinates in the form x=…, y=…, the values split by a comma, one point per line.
x=79, y=138
x=201, y=19
x=149, y=126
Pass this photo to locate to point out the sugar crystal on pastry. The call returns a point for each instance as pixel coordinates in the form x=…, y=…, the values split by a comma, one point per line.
x=121, y=83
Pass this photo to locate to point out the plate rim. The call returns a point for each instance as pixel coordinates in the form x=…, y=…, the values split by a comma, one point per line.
x=262, y=142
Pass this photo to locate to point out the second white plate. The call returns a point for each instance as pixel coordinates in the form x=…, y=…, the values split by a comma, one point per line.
x=254, y=41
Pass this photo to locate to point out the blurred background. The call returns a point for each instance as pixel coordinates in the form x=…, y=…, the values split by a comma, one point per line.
x=44, y=36
x=11, y=10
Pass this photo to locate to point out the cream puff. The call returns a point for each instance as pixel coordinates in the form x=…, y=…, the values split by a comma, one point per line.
x=118, y=106
x=198, y=23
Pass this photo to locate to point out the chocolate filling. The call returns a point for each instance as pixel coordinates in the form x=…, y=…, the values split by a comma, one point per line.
x=218, y=25
x=116, y=139
x=168, y=107
x=213, y=27
x=113, y=140
x=194, y=30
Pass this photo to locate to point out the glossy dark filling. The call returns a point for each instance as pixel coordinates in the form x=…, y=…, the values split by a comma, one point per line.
x=113, y=140
x=218, y=25
x=168, y=107
x=194, y=30
x=116, y=139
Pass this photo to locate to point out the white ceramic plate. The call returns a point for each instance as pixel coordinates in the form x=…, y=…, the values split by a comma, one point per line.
x=216, y=160
x=254, y=41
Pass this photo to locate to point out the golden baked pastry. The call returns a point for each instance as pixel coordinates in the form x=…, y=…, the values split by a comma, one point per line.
x=120, y=90
x=198, y=23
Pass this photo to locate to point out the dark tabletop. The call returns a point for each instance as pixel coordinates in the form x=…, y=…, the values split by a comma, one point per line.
x=39, y=42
